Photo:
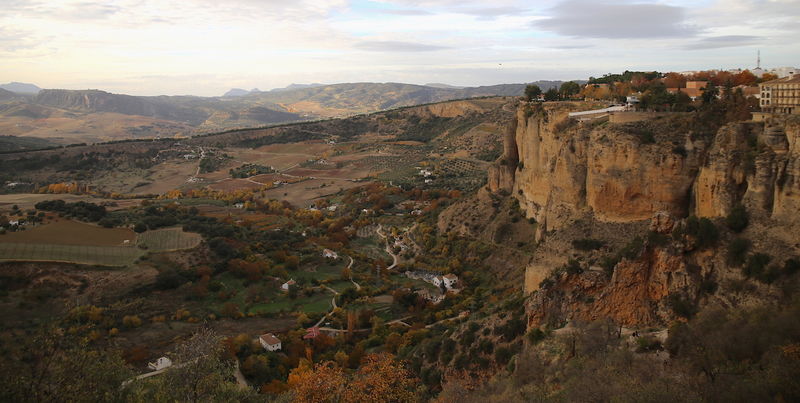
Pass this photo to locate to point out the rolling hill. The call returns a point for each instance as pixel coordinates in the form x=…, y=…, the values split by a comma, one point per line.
x=76, y=116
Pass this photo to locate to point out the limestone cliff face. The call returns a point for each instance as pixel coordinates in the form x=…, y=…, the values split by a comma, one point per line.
x=635, y=295
x=759, y=167
x=560, y=169
x=590, y=179
x=566, y=168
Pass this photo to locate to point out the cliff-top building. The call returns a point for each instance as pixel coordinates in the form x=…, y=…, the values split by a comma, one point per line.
x=781, y=95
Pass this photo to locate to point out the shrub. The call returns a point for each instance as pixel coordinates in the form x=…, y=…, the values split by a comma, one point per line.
x=737, y=251
x=754, y=268
x=168, y=279
x=502, y=355
x=791, y=266
x=573, y=267
x=681, y=306
x=587, y=244
x=738, y=218
x=536, y=335
x=702, y=230
x=648, y=343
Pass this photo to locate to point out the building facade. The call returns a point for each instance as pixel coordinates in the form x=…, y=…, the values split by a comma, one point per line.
x=781, y=95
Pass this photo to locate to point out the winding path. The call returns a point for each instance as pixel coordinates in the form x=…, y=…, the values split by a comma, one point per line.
x=388, y=249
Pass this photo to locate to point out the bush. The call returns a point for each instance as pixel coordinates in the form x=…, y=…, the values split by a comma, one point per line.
x=702, y=230
x=502, y=355
x=738, y=219
x=648, y=343
x=791, y=266
x=168, y=279
x=536, y=335
x=681, y=306
x=754, y=268
x=737, y=251
x=587, y=244
x=573, y=267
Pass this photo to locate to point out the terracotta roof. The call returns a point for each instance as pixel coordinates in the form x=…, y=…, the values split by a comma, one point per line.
x=451, y=276
x=793, y=79
x=270, y=339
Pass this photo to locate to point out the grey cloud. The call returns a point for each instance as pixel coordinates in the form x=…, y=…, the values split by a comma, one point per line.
x=725, y=41
x=397, y=46
x=491, y=12
x=593, y=19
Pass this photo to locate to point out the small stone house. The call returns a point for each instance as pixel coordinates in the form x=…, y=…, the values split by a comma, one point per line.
x=270, y=342
x=286, y=285
x=450, y=281
x=161, y=363
x=330, y=254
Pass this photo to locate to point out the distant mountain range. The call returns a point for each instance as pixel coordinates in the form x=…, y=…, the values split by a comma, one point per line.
x=68, y=116
x=21, y=88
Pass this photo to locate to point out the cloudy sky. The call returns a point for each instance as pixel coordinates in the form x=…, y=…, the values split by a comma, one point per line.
x=204, y=47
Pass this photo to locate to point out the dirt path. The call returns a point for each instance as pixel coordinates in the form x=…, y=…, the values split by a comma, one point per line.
x=388, y=249
x=333, y=305
x=349, y=267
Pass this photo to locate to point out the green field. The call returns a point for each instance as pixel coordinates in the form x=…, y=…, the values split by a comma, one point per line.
x=162, y=240
x=168, y=239
x=90, y=255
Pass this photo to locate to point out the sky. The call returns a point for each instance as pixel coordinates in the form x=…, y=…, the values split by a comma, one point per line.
x=205, y=47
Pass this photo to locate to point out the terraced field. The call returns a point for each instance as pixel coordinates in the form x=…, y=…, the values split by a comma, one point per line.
x=168, y=239
x=74, y=242
x=116, y=256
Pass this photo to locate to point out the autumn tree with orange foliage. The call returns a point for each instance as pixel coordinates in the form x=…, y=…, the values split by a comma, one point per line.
x=381, y=378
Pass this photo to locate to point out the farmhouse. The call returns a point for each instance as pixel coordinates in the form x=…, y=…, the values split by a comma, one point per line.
x=450, y=281
x=160, y=364
x=330, y=254
x=270, y=342
x=286, y=285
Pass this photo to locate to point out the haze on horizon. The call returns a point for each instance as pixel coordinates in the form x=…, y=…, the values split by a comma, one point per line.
x=205, y=47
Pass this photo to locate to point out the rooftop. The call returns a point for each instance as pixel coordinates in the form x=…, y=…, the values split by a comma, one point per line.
x=794, y=79
x=270, y=338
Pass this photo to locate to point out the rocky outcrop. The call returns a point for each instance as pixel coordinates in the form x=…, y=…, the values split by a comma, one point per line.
x=501, y=174
x=559, y=169
x=568, y=174
x=618, y=172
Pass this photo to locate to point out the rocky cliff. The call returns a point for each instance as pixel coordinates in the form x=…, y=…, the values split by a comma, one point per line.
x=566, y=174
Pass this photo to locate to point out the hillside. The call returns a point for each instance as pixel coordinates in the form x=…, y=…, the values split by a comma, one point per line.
x=654, y=260
x=21, y=88
x=75, y=116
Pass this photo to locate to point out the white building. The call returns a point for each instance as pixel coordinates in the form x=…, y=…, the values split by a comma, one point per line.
x=450, y=281
x=286, y=285
x=270, y=342
x=330, y=254
x=787, y=71
x=160, y=364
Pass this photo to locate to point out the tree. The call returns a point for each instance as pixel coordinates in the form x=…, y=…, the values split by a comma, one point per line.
x=551, y=95
x=52, y=365
x=738, y=218
x=532, y=92
x=381, y=378
x=569, y=88
x=201, y=374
